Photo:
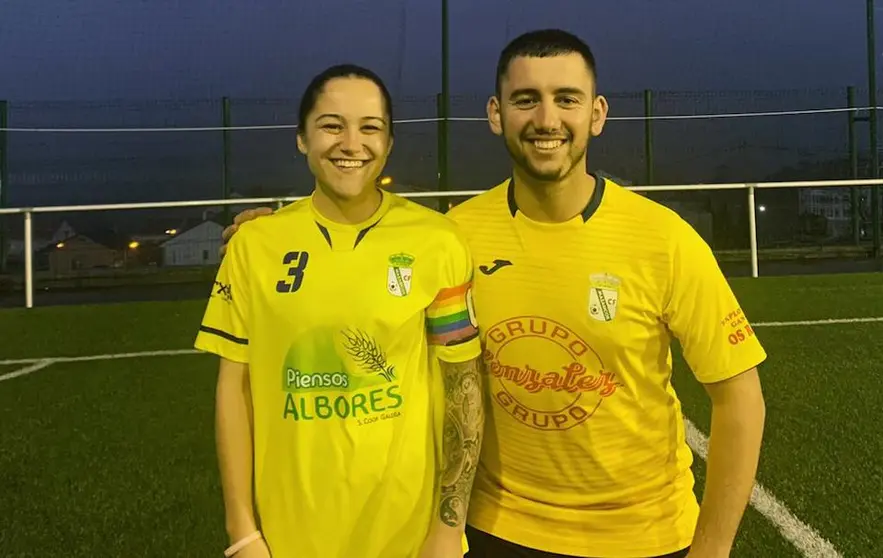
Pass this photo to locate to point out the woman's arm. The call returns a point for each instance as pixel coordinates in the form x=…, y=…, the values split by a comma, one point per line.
x=235, y=447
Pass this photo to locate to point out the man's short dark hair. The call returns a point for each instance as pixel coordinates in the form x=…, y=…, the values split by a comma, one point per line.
x=543, y=43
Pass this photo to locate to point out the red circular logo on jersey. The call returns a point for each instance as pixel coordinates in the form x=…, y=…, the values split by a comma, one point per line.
x=544, y=374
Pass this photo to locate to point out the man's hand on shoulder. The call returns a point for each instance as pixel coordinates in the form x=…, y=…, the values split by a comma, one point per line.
x=242, y=217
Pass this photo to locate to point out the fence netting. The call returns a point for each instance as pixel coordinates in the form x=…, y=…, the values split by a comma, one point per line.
x=146, y=151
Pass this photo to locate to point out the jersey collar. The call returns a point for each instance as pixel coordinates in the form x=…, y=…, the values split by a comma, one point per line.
x=348, y=236
x=588, y=211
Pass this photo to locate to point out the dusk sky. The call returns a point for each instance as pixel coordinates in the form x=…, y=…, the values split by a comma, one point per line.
x=112, y=58
x=164, y=49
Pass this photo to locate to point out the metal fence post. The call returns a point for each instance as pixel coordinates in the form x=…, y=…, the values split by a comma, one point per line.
x=752, y=229
x=29, y=261
x=855, y=213
x=225, y=176
x=648, y=137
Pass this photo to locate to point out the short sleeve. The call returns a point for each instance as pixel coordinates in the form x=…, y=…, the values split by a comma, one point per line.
x=452, y=329
x=704, y=315
x=224, y=327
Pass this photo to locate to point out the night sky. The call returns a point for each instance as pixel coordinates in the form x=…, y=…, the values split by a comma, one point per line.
x=110, y=61
x=137, y=49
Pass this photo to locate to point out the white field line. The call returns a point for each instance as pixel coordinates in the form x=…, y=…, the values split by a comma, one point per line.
x=98, y=357
x=193, y=351
x=804, y=538
x=39, y=365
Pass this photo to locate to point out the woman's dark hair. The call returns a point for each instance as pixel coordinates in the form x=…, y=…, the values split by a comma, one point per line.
x=314, y=89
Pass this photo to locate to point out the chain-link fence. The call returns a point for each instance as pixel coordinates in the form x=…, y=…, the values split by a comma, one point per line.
x=121, y=152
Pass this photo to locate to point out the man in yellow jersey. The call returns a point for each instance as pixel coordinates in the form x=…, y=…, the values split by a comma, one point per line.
x=347, y=337
x=579, y=286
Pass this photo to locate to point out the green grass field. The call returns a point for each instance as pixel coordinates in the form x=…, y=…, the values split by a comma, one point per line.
x=115, y=457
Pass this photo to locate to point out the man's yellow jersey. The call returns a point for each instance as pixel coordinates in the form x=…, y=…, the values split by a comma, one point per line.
x=342, y=327
x=584, y=452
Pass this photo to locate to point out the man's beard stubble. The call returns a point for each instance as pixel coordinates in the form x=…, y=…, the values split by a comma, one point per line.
x=522, y=161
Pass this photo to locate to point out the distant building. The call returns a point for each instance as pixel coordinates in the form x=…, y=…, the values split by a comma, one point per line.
x=835, y=205
x=79, y=253
x=831, y=203
x=41, y=238
x=196, y=246
x=218, y=212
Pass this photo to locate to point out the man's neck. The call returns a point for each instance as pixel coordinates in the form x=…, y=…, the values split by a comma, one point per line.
x=553, y=202
x=347, y=211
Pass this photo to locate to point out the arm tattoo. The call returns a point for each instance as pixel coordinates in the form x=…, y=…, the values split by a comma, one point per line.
x=463, y=430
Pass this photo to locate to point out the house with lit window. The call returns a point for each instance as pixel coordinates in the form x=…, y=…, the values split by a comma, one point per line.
x=82, y=253
x=196, y=246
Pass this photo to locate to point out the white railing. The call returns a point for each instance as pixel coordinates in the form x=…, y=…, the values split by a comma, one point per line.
x=751, y=188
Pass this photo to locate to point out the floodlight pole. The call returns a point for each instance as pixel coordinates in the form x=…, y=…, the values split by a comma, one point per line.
x=444, y=103
x=4, y=182
x=875, y=155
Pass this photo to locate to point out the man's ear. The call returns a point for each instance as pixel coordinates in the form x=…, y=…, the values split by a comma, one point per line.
x=494, y=118
x=599, y=115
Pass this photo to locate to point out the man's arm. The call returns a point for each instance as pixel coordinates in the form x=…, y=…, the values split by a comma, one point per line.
x=235, y=447
x=453, y=335
x=461, y=442
x=723, y=352
x=737, y=421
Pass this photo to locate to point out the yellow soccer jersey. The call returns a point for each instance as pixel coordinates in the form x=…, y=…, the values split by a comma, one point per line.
x=342, y=328
x=584, y=452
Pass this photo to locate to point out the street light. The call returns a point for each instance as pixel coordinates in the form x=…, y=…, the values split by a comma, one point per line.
x=386, y=181
x=134, y=244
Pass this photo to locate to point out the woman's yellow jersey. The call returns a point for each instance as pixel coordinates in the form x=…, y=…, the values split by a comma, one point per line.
x=342, y=327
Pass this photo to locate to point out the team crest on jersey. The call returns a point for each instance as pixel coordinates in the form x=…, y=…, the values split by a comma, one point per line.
x=398, y=277
x=603, y=296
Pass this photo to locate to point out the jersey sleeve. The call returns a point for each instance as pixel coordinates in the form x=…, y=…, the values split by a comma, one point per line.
x=451, y=327
x=224, y=327
x=703, y=313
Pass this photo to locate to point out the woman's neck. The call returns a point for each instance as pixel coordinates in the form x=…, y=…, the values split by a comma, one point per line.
x=347, y=211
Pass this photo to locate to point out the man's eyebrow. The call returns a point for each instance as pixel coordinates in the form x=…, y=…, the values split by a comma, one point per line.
x=558, y=91
x=523, y=91
x=570, y=91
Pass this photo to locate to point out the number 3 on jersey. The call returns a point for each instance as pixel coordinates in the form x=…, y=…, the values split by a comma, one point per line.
x=297, y=264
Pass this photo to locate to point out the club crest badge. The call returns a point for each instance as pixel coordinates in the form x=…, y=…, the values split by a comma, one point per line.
x=398, y=277
x=603, y=296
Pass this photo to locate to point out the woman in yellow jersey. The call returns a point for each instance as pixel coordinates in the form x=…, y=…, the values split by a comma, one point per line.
x=349, y=414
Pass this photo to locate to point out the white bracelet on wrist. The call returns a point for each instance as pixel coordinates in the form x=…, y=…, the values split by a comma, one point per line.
x=242, y=543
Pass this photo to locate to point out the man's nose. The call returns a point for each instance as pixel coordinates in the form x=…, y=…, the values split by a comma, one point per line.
x=547, y=118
